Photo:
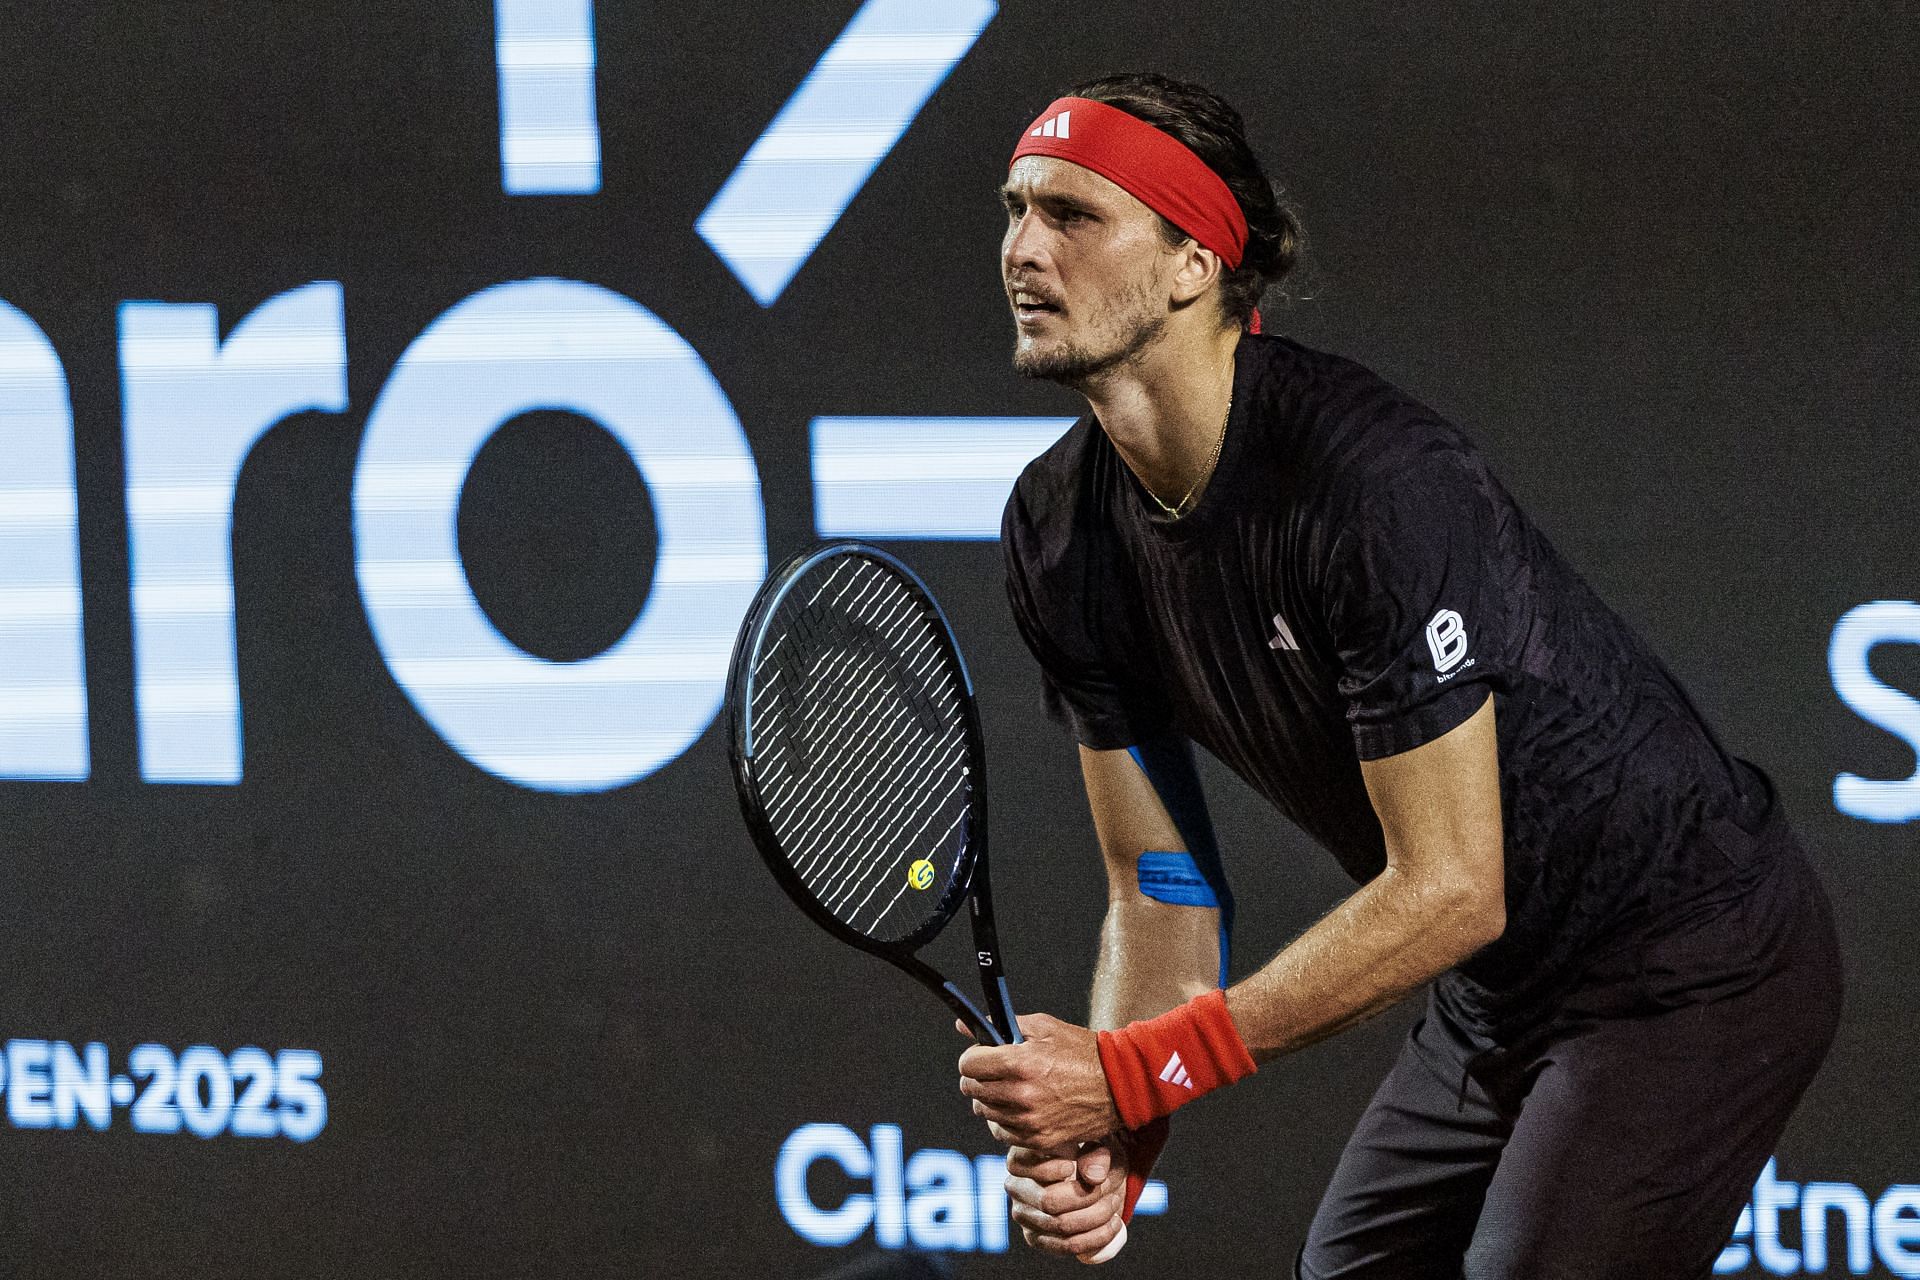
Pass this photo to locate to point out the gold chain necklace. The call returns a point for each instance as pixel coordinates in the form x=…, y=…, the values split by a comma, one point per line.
x=1179, y=508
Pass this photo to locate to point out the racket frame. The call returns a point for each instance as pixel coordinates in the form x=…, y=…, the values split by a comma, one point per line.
x=996, y=1022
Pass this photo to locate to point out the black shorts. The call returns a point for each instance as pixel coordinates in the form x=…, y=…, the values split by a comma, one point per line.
x=1622, y=1136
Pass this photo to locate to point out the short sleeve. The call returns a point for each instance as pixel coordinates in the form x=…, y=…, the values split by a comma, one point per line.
x=1418, y=579
x=1053, y=601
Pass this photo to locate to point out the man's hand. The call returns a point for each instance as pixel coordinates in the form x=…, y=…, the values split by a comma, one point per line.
x=1047, y=1093
x=1066, y=1206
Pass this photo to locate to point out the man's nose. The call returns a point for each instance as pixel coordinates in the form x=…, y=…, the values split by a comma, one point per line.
x=1026, y=243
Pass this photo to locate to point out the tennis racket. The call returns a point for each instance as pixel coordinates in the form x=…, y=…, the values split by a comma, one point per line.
x=857, y=754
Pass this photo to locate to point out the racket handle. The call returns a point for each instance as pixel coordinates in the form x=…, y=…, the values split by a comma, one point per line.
x=1114, y=1246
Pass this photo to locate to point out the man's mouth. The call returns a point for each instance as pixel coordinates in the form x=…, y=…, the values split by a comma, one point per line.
x=1030, y=306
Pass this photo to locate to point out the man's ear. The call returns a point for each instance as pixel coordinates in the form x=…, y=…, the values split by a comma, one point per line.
x=1196, y=268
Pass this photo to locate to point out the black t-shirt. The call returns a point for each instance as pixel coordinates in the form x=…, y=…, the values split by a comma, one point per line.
x=1352, y=584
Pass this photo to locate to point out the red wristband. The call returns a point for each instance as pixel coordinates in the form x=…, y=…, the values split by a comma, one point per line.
x=1143, y=1148
x=1166, y=1062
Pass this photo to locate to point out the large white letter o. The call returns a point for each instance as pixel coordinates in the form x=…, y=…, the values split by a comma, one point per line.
x=557, y=344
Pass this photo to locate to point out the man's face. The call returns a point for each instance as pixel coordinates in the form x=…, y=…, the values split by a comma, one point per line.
x=1085, y=268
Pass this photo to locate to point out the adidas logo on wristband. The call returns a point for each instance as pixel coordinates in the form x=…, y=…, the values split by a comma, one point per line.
x=1198, y=1049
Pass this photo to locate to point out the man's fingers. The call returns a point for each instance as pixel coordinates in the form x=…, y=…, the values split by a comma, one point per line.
x=1007, y=1128
x=1109, y=1251
x=1068, y=1197
x=1037, y=1024
x=1063, y=1196
x=989, y=1062
x=1062, y=1201
x=999, y=1094
x=1093, y=1164
x=1024, y=1191
x=1089, y=1243
x=1075, y=1222
x=1085, y=1245
x=1041, y=1166
x=1000, y=1105
x=961, y=1027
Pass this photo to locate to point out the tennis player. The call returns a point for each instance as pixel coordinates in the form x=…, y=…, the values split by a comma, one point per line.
x=1268, y=550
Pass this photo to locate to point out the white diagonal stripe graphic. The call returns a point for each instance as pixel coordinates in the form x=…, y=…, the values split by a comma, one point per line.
x=853, y=107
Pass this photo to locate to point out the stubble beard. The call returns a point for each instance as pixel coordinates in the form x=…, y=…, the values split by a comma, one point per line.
x=1076, y=366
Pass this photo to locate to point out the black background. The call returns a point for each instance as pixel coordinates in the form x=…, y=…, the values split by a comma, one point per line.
x=1656, y=258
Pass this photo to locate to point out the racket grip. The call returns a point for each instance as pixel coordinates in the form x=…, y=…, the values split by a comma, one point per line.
x=1112, y=1249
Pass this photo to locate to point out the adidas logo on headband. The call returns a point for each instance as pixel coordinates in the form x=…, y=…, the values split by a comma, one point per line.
x=1048, y=129
x=1155, y=167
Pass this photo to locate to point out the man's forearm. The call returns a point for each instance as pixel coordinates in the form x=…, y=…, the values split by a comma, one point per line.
x=1397, y=932
x=1153, y=956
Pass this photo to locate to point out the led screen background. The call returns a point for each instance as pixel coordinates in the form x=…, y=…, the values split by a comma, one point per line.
x=1656, y=260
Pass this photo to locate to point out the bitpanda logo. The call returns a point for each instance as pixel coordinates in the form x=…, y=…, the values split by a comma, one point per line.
x=1447, y=642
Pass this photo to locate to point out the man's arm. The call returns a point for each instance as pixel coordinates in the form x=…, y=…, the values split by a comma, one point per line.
x=1153, y=955
x=1441, y=898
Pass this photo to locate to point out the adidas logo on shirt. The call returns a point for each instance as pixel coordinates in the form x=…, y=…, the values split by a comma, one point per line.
x=1175, y=1072
x=1055, y=127
x=1283, y=635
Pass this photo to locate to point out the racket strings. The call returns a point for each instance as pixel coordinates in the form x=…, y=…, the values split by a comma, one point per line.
x=821, y=657
x=901, y=889
x=845, y=668
x=865, y=804
x=839, y=870
x=865, y=811
x=847, y=872
x=864, y=801
x=813, y=732
x=862, y=747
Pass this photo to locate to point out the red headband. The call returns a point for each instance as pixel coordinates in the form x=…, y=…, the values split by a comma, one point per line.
x=1154, y=167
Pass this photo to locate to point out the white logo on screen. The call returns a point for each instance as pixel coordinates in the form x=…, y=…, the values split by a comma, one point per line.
x=928, y=1200
x=1447, y=639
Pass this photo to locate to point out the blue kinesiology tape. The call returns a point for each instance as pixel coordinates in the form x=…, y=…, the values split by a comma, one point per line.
x=1180, y=878
x=1169, y=875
